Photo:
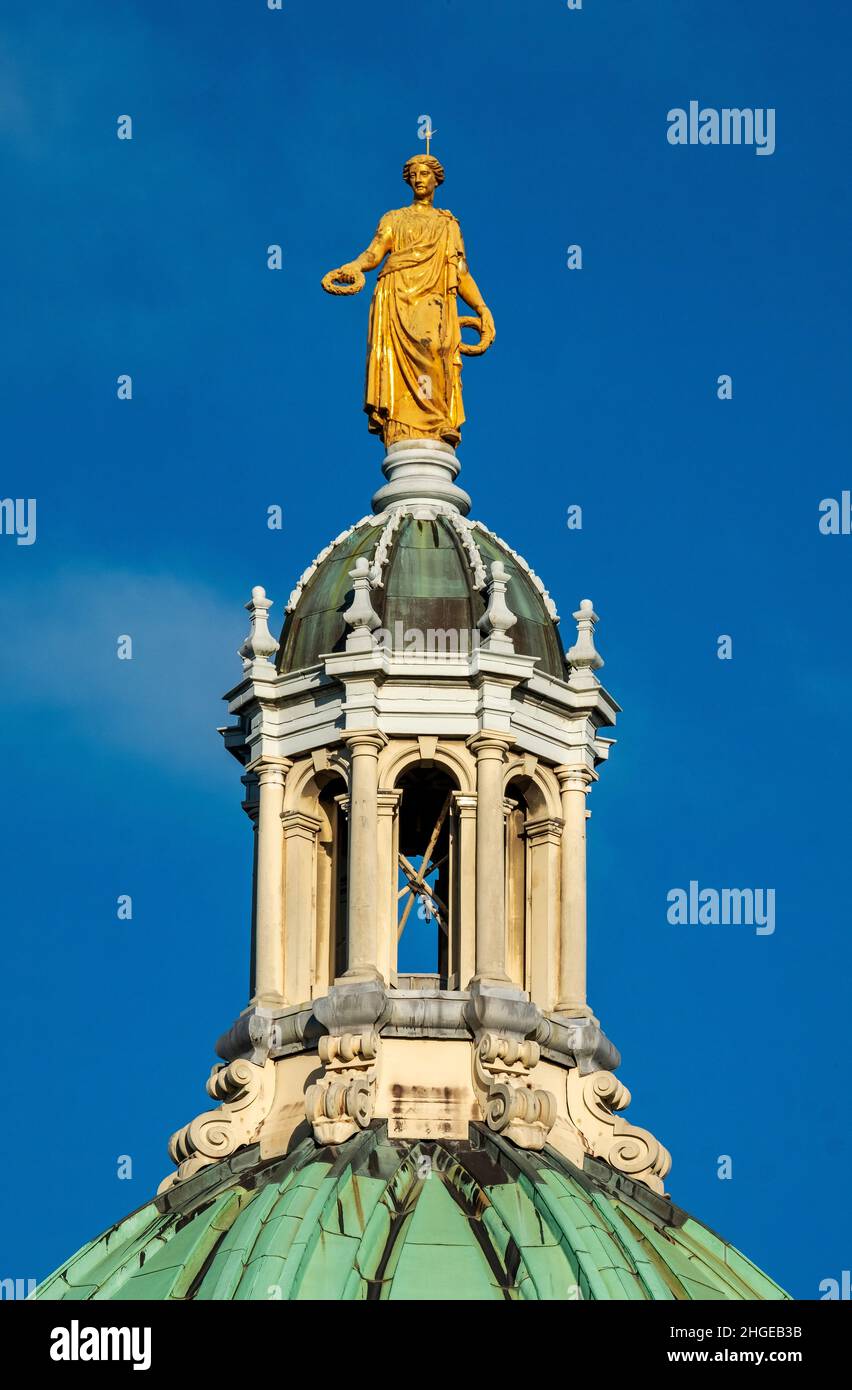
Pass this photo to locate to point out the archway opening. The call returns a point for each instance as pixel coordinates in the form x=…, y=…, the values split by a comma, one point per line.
x=332, y=883
x=425, y=873
x=517, y=885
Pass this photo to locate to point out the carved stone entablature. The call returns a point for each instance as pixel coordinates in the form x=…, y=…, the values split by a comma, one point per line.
x=512, y=1106
x=343, y=1101
x=247, y=1093
x=593, y=1102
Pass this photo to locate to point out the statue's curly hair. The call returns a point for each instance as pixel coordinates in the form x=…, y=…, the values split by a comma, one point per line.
x=434, y=164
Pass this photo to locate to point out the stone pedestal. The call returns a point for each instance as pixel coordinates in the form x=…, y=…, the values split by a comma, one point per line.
x=421, y=470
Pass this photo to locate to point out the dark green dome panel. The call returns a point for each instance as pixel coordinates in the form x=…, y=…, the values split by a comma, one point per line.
x=317, y=624
x=375, y=1219
x=535, y=633
x=427, y=587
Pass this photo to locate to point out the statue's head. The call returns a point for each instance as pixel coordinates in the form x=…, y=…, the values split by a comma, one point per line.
x=423, y=172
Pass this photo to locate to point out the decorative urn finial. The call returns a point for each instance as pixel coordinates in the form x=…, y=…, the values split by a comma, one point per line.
x=361, y=616
x=498, y=617
x=583, y=658
x=260, y=645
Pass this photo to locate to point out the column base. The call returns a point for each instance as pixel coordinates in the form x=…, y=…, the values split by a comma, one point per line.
x=493, y=980
x=361, y=974
x=268, y=999
x=568, y=1009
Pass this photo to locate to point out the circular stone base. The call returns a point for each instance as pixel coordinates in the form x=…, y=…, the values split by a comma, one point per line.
x=421, y=470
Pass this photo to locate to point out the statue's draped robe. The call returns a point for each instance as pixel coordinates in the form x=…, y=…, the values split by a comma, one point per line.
x=413, y=346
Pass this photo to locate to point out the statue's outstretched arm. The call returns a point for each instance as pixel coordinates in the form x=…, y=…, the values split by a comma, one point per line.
x=352, y=273
x=470, y=293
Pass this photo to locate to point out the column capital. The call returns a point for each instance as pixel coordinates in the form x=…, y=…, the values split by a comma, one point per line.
x=575, y=779
x=298, y=823
x=370, y=741
x=546, y=830
x=388, y=800
x=465, y=803
x=270, y=771
x=489, y=743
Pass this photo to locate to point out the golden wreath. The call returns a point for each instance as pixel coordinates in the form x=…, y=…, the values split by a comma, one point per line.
x=473, y=349
x=331, y=285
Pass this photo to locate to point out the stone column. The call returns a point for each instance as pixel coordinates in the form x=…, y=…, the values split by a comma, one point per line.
x=574, y=783
x=463, y=964
x=300, y=838
x=362, y=952
x=544, y=838
x=490, y=750
x=269, y=892
x=388, y=809
x=250, y=807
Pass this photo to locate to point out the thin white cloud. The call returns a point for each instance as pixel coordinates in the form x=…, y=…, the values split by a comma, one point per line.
x=59, y=640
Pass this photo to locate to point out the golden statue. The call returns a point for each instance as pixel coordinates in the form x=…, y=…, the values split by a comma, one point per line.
x=414, y=342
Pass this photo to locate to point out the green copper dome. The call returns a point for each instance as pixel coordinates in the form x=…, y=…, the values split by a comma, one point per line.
x=431, y=579
x=374, y=1219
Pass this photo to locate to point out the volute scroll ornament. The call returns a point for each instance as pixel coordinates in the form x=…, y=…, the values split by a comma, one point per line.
x=343, y=1100
x=246, y=1091
x=593, y=1105
x=510, y=1103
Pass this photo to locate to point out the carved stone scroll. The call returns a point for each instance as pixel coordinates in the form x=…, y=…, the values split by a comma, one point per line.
x=246, y=1091
x=510, y=1103
x=343, y=1100
x=593, y=1103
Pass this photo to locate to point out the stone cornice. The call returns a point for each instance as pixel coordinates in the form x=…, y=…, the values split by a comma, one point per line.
x=568, y=1042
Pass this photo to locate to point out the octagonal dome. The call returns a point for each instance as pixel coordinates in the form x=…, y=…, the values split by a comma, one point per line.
x=429, y=575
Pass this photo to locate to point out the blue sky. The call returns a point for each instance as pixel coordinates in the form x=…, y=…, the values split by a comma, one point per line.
x=700, y=518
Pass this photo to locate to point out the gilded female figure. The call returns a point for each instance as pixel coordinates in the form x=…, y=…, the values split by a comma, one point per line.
x=414, y=343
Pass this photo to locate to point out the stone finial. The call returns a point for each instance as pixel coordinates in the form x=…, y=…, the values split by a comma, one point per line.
x=260, y=645
x=360, y=616
x=583, y=658
x=498, y=617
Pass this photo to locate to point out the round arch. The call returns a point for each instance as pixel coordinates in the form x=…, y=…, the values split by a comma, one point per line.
x=540, y=788
x=454, y=759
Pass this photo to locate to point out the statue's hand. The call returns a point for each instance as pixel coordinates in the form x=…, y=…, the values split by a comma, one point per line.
x=347, y=279
x=484, y=325
x=488, y=330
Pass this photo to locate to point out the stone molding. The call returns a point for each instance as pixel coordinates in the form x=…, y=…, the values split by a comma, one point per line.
x=535, y=1079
